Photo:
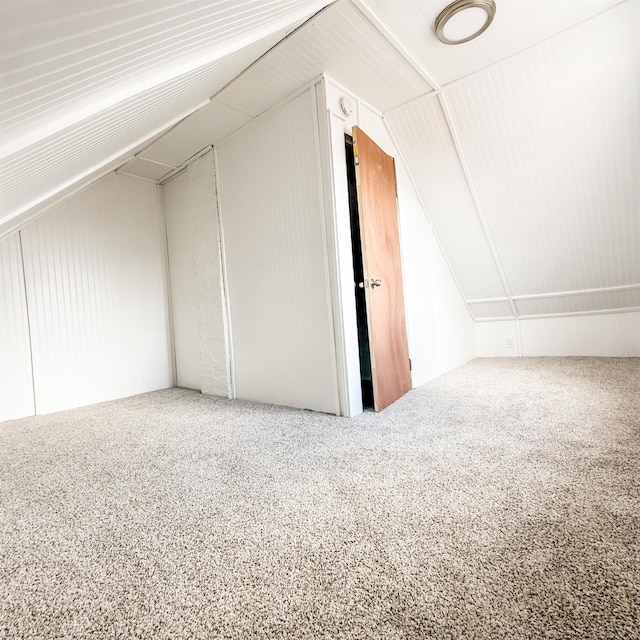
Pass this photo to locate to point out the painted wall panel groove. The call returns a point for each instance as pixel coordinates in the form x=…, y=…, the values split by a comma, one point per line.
x=271, y=207
x=517, y=26
x=422, y=134
x=495, y=309
x=68, y=65
x=97, y=301
x=559, y=188
x=37, y=171
x=340, y=42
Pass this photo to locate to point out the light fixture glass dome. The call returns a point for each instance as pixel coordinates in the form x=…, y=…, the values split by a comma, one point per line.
x=464, y=20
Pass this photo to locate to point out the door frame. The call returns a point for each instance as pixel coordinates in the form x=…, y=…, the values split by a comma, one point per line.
x=377, y=193
x=333, y=123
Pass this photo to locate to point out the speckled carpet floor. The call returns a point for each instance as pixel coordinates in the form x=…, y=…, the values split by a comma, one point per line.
x=498, y=501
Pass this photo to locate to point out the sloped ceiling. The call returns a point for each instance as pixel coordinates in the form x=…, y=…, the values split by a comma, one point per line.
x=523, y=145
x=544, y=155
x=85, y=84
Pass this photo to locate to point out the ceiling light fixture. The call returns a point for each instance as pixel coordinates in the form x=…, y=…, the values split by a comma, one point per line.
x=464, y=20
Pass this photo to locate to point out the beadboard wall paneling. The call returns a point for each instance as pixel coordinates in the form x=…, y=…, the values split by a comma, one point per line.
x=425, y=142
x=439, y=327
x=143, y=168
x=340, y=42
x=276, y=261
x=541, y=116
x=94, y=270
x=492, y=309
x=449, y=327
x=63, y=62
x=205, y=127
x=516, y=26
x=552, y=140
x=16, y=388
x=38, y=171
x=438, y=321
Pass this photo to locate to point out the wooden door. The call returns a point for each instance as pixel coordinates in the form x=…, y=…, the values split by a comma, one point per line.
x=378, y=215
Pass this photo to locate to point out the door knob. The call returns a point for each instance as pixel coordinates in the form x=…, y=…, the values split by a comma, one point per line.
x=374, y=282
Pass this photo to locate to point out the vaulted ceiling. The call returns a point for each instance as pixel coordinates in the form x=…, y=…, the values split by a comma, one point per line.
x=523, y=145
x=84, y=85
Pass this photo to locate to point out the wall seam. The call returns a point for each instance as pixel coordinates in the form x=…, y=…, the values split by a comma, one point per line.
x=426, y=215
x=224, y=284
x=164, y=239
x=446, y=111
x=26, y=303
x=369, y=14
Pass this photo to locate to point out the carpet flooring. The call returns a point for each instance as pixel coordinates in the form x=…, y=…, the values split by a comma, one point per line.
x=500, y=500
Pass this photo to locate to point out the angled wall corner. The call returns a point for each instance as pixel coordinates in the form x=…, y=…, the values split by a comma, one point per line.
x=84, y=286
x=16, y=389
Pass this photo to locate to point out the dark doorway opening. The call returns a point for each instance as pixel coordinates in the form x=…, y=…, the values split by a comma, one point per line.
x=358, y=271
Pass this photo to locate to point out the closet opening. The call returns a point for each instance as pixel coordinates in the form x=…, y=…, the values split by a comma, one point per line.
x=358, y=272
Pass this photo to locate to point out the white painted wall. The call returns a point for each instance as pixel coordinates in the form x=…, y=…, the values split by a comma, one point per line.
x=441, y=332
x=96, y=296
x=613, y=334
x=272, y=215
x=16, y=391
x=498, y=338
x=607, y=334
x=529, y=167
x=198, y=305
x=184, y=305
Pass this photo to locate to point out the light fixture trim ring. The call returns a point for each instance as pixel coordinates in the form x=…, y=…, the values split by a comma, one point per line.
x=451, y=10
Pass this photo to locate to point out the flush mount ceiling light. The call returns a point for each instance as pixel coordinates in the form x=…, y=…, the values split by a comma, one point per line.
x=464, y=20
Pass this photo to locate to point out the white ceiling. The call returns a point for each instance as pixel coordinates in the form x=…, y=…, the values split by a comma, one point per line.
x=544, y=157
x=523, y=144
x=517, y=25
x=340, y=42
x=65, y=61
x=83, y=84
